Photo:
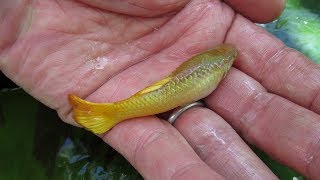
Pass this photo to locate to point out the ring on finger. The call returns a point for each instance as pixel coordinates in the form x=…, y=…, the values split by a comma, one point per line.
x=176, y=113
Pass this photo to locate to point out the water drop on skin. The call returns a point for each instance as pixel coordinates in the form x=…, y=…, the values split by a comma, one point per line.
x=101, y=62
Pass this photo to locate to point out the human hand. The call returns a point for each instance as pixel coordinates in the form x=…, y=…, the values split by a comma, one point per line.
x=60, y=47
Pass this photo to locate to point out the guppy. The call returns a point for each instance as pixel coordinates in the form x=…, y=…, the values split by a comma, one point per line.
x=194, y=79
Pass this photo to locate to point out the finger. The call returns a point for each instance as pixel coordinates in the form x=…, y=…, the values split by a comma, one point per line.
x=145, y=8
x=157, y=150
x=281, y=70
x=286, y=131
x=262, y=11
x=219, y=146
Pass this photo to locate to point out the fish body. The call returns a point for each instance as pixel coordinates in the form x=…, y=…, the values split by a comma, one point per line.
x=194, y=79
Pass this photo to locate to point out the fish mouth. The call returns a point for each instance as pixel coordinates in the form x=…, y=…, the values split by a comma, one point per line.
x=229, y=53
x=229, y=50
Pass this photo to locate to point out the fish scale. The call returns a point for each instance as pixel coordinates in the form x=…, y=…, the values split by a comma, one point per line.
x=192, y=80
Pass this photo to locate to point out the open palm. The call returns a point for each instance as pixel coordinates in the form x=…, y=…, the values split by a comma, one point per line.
x=105, y=51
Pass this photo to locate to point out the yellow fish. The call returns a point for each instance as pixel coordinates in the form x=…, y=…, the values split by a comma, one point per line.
x=192, y=80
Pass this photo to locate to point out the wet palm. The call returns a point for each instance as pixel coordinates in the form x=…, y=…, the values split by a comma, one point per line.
x=69, y=47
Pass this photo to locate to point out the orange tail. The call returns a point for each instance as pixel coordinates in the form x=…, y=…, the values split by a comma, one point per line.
x=96, y=117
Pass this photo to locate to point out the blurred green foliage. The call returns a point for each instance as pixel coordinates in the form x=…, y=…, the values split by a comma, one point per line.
x=283, y=172
x=36, y=144
x=17, y=137
x=299, y=27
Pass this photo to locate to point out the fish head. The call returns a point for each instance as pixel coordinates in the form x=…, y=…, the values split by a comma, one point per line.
x=221, y=56
x=224, y=54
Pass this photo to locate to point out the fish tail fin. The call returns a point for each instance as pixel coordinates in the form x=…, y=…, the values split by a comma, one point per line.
x=96, y=117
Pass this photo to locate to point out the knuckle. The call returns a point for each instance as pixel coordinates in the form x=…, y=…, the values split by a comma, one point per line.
x=182, y=171
x=146, y=141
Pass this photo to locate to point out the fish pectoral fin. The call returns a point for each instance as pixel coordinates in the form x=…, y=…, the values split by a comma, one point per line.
x=155, y=86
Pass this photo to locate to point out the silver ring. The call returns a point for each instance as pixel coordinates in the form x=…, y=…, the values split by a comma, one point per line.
x=176, y=113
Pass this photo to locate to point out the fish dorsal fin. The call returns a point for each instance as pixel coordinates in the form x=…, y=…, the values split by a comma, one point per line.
x=155, y=86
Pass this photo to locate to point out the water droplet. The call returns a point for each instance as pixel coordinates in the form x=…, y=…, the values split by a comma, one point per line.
x=309, y=159
x=98, y=63
x=213, y=133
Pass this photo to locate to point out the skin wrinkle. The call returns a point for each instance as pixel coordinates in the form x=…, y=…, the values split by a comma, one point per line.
x=115, y=92
x=185, y=29
x=229, y=28
x=314, y=105
x=43, y=65
x=60, y=6
x=252, y=137
x=266, y=67
x=199, y=123
x=197, y=31
x=121, y=35
x=275, y=60
x=299, y=73
x=247, y=164
x=304, y=151
x=140, y=6
x=256, y=34
x=182, y=170
x=146, y=148
x=196, y=121
x=156, y=6
x=275, y=117
x=182, y=34
x=314, y=75
x=257, y=109
x=255, y=12
x=151, y=137
x=17, y=21
x=25, y=61
x=207, y=153
x=137, y=20
x=108, y=22
x=50, y=63
x=135, y=10
x=276, y=50
x=158, y=3
x=314, y=154
x=253, y=91
x=97, y=8
x=104, y=21
x=111, y=75
x=142, y=136
x=22, y=66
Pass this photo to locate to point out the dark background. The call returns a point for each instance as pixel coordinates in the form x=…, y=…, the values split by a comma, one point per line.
x=5, y=82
